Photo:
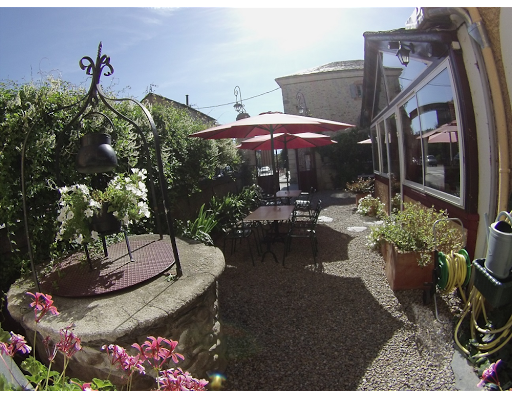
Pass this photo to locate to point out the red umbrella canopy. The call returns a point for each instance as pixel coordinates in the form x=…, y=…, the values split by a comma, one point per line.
x=270, y=123
x=443, y=137
x=289, y=141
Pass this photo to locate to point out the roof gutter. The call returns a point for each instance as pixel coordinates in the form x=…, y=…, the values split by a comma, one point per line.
x=477, y=32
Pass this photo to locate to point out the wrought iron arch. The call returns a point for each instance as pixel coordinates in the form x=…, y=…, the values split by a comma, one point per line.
x=93, y=97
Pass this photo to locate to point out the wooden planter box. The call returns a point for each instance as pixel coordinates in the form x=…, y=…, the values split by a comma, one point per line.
x=402, y=270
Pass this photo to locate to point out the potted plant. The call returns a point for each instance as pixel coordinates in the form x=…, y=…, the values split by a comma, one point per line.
x=361, y=187
x=407, y=243
x=371, y=206
x=85, y=213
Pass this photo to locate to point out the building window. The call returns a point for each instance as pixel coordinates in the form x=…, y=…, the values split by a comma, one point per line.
x=356, y=90
x=429, y=135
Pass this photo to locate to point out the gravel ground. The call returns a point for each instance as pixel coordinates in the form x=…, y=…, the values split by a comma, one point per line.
x=334, y=326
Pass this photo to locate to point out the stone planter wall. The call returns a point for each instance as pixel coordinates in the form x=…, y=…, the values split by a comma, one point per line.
x=402, y=270
x=185, y=310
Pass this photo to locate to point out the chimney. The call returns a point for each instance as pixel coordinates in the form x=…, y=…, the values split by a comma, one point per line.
x=186, y=99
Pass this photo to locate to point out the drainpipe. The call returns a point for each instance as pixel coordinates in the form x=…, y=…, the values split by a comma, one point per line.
x=477, y=31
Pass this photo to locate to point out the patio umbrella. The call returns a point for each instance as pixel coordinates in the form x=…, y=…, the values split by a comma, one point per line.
x=287, y=141
x=443, y=137
x=270, y=123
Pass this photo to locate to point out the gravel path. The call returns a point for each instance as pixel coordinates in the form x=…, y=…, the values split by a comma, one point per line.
x=336, y=326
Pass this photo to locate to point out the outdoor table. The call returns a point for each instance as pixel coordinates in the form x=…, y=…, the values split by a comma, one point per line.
x=288, y=194
x=271, y=213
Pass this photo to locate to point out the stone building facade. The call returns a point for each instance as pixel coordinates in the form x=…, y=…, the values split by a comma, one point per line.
x=333, y=92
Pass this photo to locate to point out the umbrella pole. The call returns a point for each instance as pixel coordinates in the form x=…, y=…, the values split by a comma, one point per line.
x=286, y=161
x=273, y=164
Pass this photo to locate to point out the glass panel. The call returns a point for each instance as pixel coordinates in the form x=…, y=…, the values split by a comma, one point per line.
x=375, y=149
x=412, y=141
x=399, y=77
x=440, y=135
x=383, y=147
x=381, y=98
x=394, y=160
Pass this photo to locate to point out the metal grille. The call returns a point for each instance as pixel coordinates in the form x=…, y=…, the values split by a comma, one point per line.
x=73, y=277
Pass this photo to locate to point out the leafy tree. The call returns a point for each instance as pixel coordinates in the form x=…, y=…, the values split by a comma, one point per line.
x=348, y=158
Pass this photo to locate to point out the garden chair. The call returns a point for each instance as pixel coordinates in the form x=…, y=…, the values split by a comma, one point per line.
x=303, y=227
x=303, y=202
x=237, y=232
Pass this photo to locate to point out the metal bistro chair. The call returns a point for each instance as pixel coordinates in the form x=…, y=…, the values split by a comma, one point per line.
x=303, y=202
x=237, y=232
x=303, y=226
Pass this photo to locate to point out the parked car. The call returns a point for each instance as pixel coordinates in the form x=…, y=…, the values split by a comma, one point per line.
x=265, y=170
x=431, y=160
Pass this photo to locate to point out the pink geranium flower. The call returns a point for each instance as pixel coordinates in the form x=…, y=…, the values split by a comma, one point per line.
x=42, y=304
x=16, y=344
x=490, y=375
x=154, y=350
x=179, y=380
x=69, y=344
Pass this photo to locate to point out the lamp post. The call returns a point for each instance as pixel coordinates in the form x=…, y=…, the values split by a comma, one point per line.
x=301, y=104
x=403, y=53
x=99, y=156
x=239, y=107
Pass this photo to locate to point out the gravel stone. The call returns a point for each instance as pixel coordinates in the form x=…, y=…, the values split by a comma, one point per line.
x=333, y=326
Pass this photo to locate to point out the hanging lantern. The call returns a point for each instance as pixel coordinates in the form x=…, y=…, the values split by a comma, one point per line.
x=95, y=154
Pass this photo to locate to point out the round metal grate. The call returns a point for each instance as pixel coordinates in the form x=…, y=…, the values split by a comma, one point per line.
x=73, y=277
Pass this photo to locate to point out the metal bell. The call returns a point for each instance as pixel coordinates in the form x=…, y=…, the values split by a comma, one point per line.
x=95, y=154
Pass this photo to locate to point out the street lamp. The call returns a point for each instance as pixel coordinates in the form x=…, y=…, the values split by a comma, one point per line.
x=301, y=104
x=239, y=107
x=96, y=154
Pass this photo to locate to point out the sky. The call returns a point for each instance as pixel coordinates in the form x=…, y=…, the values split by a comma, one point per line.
x=203, y=52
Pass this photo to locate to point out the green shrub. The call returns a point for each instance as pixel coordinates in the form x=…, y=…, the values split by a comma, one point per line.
x=361, y=185
x=412, y=230
x=200, y=228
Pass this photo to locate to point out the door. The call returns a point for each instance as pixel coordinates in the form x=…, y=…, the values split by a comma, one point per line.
x=306, y=169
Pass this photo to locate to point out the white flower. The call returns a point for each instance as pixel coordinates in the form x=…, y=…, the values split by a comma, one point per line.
x=70, y=215
x=88, y=213
x=94, y=235
x=94, y=204
x=79, y=239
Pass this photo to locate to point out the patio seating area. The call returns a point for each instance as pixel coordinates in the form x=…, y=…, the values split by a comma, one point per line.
x=336, y=325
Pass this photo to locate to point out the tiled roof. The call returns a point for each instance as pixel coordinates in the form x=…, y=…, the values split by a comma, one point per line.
x=155, y=98
x=334, y=67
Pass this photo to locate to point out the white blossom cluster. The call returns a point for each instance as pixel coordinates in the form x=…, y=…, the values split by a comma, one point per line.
x=75, y=205
x=127, y=198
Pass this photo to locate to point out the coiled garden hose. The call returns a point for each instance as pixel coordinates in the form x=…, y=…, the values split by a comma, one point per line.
x=476, y=305
x=454, y=271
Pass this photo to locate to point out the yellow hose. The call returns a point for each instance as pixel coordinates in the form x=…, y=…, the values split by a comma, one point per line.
x=475, y=304
x=455, y=267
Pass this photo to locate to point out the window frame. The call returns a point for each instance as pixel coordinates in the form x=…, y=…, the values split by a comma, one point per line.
x=394, y=108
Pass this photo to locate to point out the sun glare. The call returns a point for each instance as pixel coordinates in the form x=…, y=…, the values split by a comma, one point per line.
x=289, y=30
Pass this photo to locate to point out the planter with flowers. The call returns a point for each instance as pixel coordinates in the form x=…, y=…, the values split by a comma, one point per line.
x=407, y=242
x=362, y=187
x=87, y=214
